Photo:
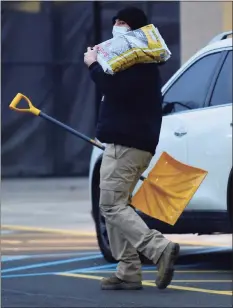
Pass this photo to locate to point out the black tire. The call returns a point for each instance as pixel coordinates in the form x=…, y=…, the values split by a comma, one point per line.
x=230, y=199
x=103, y=241
x=100, y=225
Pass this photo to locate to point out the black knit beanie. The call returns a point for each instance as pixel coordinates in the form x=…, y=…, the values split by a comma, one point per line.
x=133, y=16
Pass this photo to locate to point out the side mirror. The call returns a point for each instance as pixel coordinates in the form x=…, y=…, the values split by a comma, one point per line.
x=167, y=109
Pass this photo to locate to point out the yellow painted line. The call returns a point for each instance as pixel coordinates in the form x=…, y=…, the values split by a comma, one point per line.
x=49, y=248
x=77, y=241
x=80, y=276
x=51, y=230
x=177, y=271
x=11, y=242
x=150, y=284
x=85, y=233
x=192, y=289
x=152, y=281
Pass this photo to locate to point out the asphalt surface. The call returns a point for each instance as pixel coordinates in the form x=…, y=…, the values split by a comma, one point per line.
x=50, y=256
x=51, y=269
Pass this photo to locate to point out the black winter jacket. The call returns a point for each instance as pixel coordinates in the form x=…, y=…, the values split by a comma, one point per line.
x=131, y=112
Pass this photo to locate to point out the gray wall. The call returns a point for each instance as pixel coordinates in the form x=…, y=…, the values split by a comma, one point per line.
x=200, y=21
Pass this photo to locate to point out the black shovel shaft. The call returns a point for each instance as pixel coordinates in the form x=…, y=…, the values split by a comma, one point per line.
x=71, y=130
x=76, y=133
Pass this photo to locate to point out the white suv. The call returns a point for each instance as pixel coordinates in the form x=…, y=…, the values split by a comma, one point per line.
x=196, y=130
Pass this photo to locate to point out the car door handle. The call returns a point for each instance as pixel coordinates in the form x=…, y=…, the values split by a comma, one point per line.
x=231, y=124
x=180, y=134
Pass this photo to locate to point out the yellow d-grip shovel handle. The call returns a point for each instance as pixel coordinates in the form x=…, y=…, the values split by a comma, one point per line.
x=31, y=108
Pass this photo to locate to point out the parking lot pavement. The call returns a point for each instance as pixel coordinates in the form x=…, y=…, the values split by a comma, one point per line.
x=46, y=268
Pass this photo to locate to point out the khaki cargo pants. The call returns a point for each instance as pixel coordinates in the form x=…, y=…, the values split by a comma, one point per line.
x=120, y=171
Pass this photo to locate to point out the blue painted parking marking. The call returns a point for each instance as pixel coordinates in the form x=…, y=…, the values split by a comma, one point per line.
x=27, y=275
x=46, y=255
x=13, y=258
x=81, y=270
x=52, y=263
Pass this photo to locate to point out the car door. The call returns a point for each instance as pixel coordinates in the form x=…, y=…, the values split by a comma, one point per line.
x=185, y=94
x=210, y=142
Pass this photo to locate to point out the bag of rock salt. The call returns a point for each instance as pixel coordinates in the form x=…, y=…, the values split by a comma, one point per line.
x=144, y=45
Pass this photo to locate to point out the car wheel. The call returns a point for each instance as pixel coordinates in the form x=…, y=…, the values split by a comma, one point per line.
x=103, y=241
x=100, y=225
x=230, y=198
x=231, y=204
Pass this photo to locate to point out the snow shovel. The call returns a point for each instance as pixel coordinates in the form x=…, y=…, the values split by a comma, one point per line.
x=167, y=190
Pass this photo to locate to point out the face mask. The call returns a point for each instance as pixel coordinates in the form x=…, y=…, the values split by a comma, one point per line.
x=119, y=30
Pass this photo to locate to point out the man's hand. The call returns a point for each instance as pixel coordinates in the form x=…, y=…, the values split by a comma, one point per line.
x=90, y=56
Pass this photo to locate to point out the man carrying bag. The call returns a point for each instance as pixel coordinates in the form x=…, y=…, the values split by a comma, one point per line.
x=129, y=123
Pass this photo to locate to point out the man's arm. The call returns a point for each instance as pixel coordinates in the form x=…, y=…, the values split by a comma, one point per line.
x=124, y=80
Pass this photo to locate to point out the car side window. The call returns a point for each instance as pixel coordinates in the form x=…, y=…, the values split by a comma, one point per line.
x=190, y=90
x=222, y=93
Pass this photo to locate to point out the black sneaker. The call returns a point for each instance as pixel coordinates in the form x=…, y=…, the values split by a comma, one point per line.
x=165, y=265
x=114, y=283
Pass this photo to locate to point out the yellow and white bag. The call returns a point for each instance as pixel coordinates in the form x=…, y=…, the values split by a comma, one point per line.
x=144, y=45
